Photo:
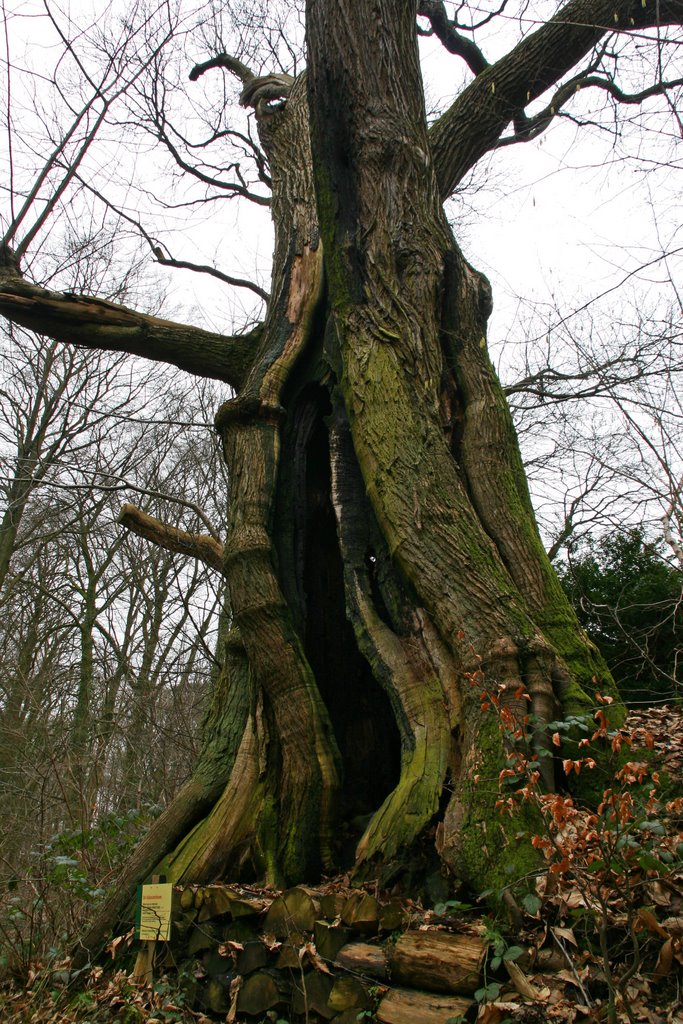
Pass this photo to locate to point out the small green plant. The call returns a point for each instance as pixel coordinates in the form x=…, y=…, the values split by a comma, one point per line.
x=451, y=907
x=596, y=858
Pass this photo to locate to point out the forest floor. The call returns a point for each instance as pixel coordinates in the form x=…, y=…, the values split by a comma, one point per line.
x=598, y=937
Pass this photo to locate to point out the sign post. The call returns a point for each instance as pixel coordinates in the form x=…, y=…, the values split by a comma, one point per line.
x=152, y=925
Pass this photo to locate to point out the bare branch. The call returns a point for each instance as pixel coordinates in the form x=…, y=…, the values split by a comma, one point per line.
x=207, y=549
x=202, y=268
x=475, y=121
x=528, y=128
x=97, y=324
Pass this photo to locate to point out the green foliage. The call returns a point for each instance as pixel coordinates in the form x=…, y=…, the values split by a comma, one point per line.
x=627, y=597
x=41, y=911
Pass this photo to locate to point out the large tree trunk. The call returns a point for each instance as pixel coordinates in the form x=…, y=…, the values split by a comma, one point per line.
x=382, y=547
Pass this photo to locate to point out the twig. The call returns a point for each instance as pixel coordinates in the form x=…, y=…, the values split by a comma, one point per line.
x=563, y=949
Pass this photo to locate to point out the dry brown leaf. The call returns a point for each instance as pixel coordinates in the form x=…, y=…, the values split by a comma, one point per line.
x=309, y=950
x=651, y=923
x=494, y=1013
x=522, y=983
x=664, y=960
x=567, y=935
x=235, y=986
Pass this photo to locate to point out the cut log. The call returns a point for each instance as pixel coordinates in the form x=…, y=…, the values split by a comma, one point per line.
x=288, y=956
x=329, y=939
x=392, y=916
x=218, y=961
x=238, y=931
x=402, y=1006
x=348, y=994
x=364, y=959
x=262, y=991
x=216, y=902
x=361, y=912
x=187, y=899
x=219, y=900
x=438, y=961
x=317, y=992
x=206, y=937
x=216, y=995
x=332, y=904
x=251, y=958
x=182, y=923
x=294, y=911
x=347, y=1017
x=247, y=906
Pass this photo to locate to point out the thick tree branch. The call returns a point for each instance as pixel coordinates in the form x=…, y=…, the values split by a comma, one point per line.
x=98, y=324
x=223, y=60
x=200, y=545
x=445, y=30
x=475, y=121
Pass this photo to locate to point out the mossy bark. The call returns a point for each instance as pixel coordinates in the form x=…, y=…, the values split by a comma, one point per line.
x=382, y=549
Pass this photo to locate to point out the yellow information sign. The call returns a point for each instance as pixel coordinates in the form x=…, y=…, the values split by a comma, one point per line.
x=154, y=912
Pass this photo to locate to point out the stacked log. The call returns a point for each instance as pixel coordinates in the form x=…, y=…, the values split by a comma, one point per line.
x=321, y=956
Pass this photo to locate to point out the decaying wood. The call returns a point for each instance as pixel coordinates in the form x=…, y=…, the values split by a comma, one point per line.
x=401, y=1006
x=219, y=900
x=348, y=994
x=361, y=912
x=330, y=938
x=251, y=958
x=362, y=958
x=439, y=961
x=294, y=911
x=288, y=955
x=392, y=916
x=202, y=546
x=262, y=991
x=311, y=995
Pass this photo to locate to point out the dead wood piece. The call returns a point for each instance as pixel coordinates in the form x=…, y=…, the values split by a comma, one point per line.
x=347, y=1017
x=361, y=912
x=187, y=899
x=289, y=952
x=219, y=961
x=364, y=959
x=216, y=994
x=329, y=939
x=296, y=910
x=332, y=904
x=402, y=1006
x=243, y=906
x=311, y=994
x=239, y=931
x=348, y=994
x=203, y=937
x=251, y=958
x=182, y=923
x=438, y=961
x=216, y=902
x=392, y=916
x=261, y=992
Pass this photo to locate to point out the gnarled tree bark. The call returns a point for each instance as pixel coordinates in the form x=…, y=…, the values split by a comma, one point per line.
x=382, y=546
